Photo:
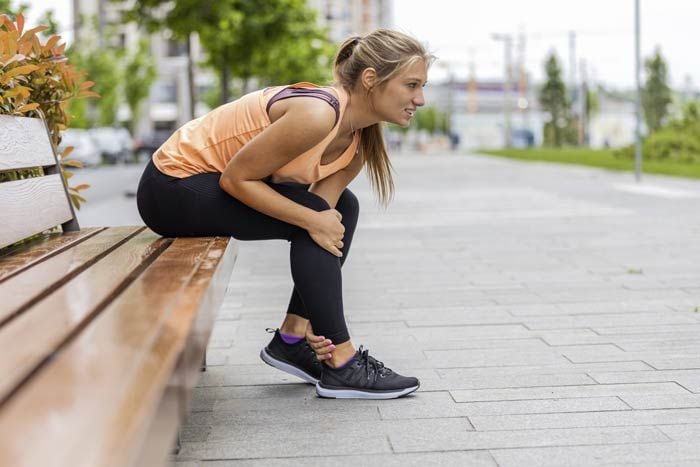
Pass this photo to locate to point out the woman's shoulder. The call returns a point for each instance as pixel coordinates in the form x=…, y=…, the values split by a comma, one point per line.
x=308, y=112
x=272, y=91
x=305, y=110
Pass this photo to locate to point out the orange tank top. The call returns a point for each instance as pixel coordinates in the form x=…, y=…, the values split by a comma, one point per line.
x=208, y=143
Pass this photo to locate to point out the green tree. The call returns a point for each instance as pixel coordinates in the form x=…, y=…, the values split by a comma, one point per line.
x=139, y=74
x=102, y=65
x=120, y=77
x=242, y=38
x=305, y=54
x=656, y=95
x=50, y=21
x=273, y=41
x=689, y=118
x=182, y=18
x=431, y=120
x=6, y=8
x=592, y=102
x=553, y=99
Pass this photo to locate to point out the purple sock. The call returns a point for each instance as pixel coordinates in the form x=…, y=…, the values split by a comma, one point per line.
x=287, y=339
x=345, y=364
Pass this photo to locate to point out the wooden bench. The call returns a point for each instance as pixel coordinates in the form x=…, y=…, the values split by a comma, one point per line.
x=102, y=330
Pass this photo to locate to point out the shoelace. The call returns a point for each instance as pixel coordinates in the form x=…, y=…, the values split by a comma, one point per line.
x=372, y=366
x=311, y=355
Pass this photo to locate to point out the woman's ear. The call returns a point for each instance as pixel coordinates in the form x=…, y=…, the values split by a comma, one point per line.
x=368, y=78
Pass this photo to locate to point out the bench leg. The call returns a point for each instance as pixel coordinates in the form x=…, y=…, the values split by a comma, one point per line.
x=204, y=362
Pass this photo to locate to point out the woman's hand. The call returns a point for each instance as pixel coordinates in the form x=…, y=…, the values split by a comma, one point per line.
x=327, y=231
x=320, y=345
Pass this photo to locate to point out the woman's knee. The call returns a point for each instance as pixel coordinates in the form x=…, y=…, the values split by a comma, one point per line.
x=315, y=202
x=348, y=205
x=300, y=194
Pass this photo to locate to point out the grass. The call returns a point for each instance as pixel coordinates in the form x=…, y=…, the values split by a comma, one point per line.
x=603, y=158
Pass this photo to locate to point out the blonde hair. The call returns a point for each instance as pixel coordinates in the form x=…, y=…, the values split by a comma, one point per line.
x=389, y=53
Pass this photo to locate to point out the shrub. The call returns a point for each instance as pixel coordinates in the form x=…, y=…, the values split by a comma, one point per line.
x=679, y=141
x=567, y=133
x=36, y=80
x=673, y=145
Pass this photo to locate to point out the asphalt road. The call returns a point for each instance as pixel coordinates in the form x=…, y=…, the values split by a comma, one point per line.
x=111, y=196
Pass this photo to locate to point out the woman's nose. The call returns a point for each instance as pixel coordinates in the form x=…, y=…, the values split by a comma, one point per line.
x=419, y=100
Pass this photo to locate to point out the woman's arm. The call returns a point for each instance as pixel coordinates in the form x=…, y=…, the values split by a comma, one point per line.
x=302, y=124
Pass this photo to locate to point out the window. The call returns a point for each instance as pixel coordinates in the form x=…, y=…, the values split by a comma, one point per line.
x=164, y=92
x=176, y=48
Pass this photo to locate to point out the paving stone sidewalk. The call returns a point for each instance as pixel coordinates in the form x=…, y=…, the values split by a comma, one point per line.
x=550, y=311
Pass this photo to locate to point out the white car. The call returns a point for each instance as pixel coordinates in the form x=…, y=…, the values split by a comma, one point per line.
x=115, y=144
x=126, y=140
x=84, y=148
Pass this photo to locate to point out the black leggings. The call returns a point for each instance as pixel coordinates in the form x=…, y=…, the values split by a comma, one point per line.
x=196, y=206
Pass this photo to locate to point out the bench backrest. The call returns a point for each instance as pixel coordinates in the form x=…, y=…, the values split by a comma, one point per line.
x=32, y=205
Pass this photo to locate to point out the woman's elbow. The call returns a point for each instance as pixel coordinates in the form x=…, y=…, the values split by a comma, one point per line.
x=227, y=184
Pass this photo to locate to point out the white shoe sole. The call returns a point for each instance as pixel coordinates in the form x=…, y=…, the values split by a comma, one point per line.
x=286, y=367
x=357, y=394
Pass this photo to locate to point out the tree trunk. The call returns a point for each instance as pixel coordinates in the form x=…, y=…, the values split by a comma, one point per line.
x=190, y=77
x=225, y=78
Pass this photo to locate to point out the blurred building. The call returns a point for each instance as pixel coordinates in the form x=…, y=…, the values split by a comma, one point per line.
x=168, y=105
x=344, y=18
x=476, y=111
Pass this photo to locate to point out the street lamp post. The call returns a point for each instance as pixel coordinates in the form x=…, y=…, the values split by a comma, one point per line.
x=507, y=40
x=638, y=99
x=449, y=105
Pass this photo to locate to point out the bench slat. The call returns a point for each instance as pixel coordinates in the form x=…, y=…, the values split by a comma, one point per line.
x=29, y=254
x=194, y=314
x=24, y=143
x=86, y=389
x=31, y=206
x=22, y=290
x=66, y=310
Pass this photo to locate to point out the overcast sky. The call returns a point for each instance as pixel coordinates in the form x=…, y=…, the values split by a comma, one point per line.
x=459, y=33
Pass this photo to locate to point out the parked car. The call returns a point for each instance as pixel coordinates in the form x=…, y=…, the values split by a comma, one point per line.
x=523, y=138
x=84, y=148
x=127, y=141
x=115, y=144
x=146, y=146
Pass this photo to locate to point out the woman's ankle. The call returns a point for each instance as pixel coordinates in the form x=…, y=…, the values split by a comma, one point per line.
x=342, y=354
x=294, y=325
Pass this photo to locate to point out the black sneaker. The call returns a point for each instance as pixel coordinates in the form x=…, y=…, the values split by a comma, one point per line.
x=364, y=377
x=296, y=359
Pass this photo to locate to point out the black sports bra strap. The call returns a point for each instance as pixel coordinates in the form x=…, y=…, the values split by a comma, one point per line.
x=307, y=92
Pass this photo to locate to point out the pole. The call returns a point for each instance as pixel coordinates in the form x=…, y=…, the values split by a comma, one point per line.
x=507, y=99
x=638, y=100
x=572, y=64
x=191, y=86
x=509, y=88
x=472, y=104
x=583, y=106
x=523, y=95
x=450, y=85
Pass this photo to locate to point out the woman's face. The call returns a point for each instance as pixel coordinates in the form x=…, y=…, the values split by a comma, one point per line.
x=397, y=101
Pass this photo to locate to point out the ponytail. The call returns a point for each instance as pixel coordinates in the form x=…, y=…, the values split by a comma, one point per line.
x=379, y=169
x=346, y=50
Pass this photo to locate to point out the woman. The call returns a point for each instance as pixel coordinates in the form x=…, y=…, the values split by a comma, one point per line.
x=275, y=164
